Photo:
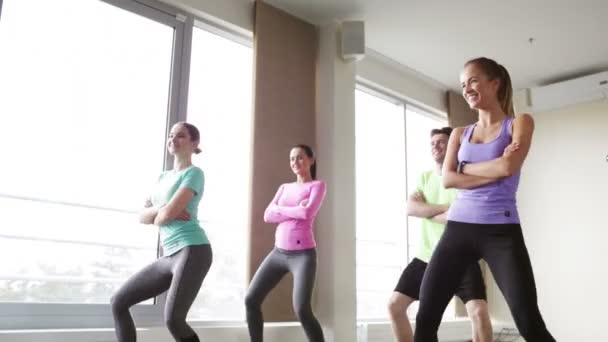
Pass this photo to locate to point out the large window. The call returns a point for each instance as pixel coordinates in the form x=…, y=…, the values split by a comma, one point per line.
x=392, y=149
x=88, y=91
x=84, y=106
x=381, y=199
x=220, y=104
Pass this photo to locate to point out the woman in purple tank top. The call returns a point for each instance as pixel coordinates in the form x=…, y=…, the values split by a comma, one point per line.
x=484, y=161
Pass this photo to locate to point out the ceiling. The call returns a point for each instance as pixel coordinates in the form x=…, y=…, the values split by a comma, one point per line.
x=539, y=41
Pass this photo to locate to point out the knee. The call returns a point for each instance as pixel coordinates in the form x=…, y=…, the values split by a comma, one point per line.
x=478, y=311
x=427, y=324
x=397, y=308
x=427, y=320
x=303, y=312
x=524, y=316
x=251, y=302
x=174, y=324
x=531, y=326
x=118, y=304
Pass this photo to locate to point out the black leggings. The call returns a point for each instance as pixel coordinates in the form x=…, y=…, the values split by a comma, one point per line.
x=303, y=266
x=502, y=247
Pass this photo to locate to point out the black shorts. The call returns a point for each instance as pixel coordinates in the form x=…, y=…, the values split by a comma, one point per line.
x=471, y=287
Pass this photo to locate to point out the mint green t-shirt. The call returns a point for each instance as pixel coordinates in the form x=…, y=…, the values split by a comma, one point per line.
x=177, y=234
x=430, y=184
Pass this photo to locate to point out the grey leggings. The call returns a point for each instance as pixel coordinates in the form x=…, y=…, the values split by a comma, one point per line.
x=181, y=275
x=303, y=265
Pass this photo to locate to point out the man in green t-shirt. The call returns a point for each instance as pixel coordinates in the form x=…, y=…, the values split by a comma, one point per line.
x=430, y=202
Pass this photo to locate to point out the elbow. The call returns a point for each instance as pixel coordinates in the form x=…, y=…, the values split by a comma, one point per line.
x=508, y=168
x=146, y=218
x=160, y=220
x=410, y=209
x=448, y=181
x=163, y=217
x=308, y=214
x=270, y=215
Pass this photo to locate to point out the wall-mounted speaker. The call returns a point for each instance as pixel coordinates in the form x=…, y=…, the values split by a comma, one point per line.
x=352, y=40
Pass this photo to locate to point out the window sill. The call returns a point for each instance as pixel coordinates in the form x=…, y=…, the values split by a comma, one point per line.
x=453, y=330
x=208, y=331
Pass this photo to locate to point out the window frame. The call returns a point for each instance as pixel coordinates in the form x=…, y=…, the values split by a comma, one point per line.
x=391, y=98
x=245, y=39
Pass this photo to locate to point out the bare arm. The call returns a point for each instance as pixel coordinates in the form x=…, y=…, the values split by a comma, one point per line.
x=509, y=163
x=175, y=208
x=441, y=218
x=417, y=206
x=452, y=179
x=148, y=213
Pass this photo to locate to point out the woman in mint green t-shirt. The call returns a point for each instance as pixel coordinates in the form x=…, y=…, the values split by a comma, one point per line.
x=173, y=207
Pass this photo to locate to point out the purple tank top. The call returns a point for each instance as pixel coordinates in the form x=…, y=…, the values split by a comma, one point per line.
x=493, y=203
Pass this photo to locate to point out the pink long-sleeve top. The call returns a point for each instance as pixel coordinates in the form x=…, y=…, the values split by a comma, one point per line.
x=294, y=207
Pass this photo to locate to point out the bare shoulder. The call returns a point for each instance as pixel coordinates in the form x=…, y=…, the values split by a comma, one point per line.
x=523, y=124
x=457, y=134
x=458, y=130
x=524, y=119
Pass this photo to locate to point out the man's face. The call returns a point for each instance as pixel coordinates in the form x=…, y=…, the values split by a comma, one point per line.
x=439, y=145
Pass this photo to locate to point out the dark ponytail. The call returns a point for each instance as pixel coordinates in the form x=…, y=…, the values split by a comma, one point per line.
x=310, y=154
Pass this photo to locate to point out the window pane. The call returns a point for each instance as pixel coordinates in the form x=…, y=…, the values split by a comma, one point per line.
x=381, y=200
x=220, y=106
x=84, y=103
x=66, y=263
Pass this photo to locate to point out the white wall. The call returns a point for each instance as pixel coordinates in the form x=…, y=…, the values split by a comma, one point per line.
x=335, y=225
x=563, y=198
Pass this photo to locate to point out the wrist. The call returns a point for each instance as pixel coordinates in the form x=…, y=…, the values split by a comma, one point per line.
x=460, y=167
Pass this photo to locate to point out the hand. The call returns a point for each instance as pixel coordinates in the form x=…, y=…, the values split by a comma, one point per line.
x=512, y=147
x=304, y=203
x=148, y=203
x=419, y=197
x=183, y=216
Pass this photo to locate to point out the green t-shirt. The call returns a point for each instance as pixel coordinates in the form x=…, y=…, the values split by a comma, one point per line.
x=177, y=234
x=430, y=184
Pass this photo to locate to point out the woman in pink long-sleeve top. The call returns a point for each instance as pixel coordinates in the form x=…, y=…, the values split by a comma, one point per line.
x=293, y=208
